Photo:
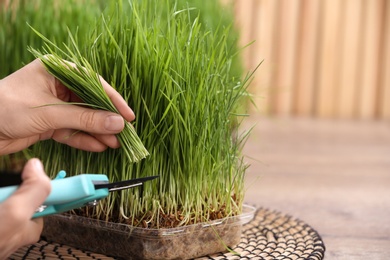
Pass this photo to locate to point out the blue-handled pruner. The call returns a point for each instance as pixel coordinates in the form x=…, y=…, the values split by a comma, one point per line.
x=75, y=192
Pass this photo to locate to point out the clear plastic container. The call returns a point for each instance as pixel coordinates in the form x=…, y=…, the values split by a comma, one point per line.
x=128, y=242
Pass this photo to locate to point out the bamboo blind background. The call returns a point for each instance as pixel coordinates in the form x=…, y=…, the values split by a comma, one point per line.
x=321, y=58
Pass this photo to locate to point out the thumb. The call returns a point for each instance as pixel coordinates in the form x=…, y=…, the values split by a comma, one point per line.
x=33, y=190
x=85, y=119
x=17, y=228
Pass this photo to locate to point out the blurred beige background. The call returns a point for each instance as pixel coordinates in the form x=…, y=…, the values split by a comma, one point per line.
x=319, y=149
x=320, y=58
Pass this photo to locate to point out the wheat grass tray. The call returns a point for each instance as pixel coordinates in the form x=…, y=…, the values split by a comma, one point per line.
x=270, y=235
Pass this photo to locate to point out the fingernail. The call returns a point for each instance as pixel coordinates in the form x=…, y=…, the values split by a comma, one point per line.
x=37, y=164
x=132, y=112
x=114, y=123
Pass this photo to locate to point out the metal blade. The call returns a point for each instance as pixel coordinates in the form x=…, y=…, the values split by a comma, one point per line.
x=121, y=185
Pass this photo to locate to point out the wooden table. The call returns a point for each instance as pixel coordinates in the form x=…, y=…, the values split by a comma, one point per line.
x=334, y=175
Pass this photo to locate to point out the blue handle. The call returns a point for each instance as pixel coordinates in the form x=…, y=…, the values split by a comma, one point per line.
x=66, y=193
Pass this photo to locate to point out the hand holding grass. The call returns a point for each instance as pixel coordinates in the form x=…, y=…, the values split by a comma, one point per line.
x=28, y=114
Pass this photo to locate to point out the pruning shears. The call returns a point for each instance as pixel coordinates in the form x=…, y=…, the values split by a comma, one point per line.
x=71, y=192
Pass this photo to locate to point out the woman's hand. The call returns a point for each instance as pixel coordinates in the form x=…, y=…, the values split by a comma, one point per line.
x=27, y=116
x=17, y=228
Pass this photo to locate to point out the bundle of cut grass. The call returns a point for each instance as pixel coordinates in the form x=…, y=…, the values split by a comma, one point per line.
x=83, y=81
x=177, y=76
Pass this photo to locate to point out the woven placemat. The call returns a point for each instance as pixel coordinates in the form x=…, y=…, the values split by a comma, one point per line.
x=270, y=235
x=273, y=235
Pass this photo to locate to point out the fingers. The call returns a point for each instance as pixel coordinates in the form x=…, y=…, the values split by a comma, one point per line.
x=17, y=228
x=84, y=141
x=118, y=101
x=34, y=227
x=109, y=140
x=34, y=189
x=115, y=97
x=15, y=235
x=89, y=120
x=94, y=129
x=81, y=118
